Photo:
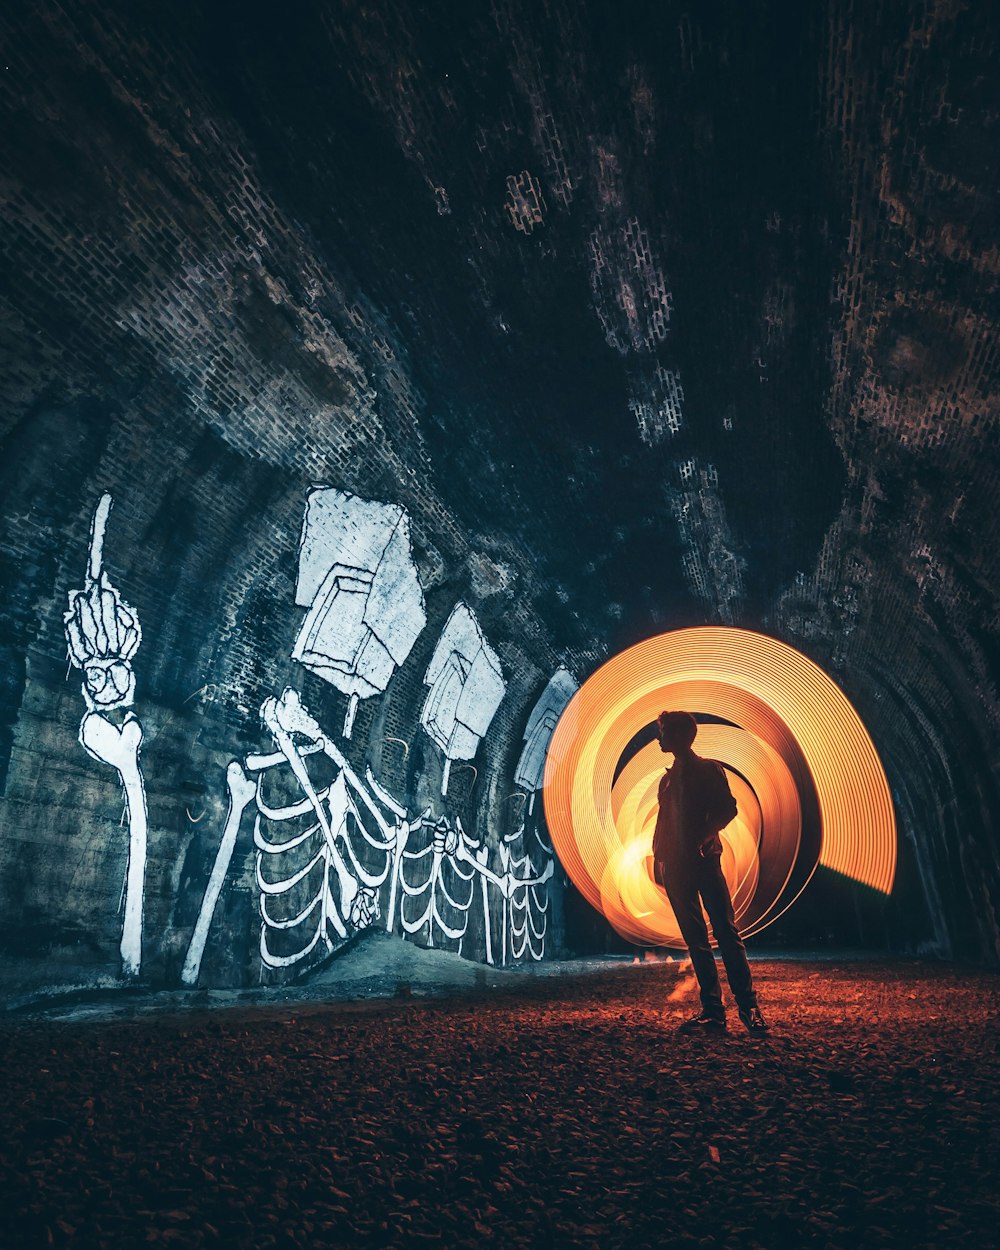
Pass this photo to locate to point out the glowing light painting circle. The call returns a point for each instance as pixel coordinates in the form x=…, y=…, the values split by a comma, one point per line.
x=806, y=776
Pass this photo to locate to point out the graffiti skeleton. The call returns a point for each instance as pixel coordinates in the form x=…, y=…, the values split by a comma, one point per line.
x=329, y=845
x=318, y=883
x=326, y=853
x=525, y=918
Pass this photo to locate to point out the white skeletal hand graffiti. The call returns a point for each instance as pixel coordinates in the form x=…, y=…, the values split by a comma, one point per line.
x=103, y=634
x=466, y=687
x=359, y=582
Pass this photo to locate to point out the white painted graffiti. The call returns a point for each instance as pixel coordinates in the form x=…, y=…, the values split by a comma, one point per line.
x=525, y=918
x=526, y=857
x=102, y=635
x=335, y=852
x=358, y=580
x=530, y=770
x=329, y=851
x=465, y=684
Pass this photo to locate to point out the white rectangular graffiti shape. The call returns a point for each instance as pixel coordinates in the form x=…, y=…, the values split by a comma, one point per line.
x=358, y=580
x=530, y=770
x=466, y=687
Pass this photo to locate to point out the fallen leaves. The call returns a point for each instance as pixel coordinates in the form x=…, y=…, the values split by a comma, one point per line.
x=571, y=1114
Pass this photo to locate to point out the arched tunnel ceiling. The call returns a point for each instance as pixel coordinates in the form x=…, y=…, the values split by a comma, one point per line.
x=555, y=312
x=649, y=315
x=560, y=223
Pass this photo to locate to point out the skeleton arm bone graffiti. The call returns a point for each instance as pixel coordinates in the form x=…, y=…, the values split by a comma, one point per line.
x=102, y=631
x=373, y=880
x=256, y=763
x=241, y=794
x=466, y=851
x=288, y=715
x=481, y=855
x=386, y=798
x=343, y=810
x=336, y=809
x=243, y=790
x=120, y=748
x=285, y=717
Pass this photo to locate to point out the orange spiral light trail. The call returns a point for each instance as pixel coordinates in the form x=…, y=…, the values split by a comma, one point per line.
x=807, y=779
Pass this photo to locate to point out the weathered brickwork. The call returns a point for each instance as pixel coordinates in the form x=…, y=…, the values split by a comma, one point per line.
x=907, y=581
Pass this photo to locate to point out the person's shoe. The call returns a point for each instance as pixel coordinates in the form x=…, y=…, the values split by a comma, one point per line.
x=704, y=1022
x=754, y=1021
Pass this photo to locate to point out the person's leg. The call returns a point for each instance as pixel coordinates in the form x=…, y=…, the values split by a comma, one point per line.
x=719, y=905
x=682, y=891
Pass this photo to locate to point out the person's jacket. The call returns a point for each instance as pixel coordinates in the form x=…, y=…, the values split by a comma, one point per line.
x=695, y=803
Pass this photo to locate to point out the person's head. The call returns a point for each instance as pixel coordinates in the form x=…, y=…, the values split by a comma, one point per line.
x=677, y=731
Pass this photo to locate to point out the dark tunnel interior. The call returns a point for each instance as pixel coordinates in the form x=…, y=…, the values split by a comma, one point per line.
x=621, y=319
x=401, y=405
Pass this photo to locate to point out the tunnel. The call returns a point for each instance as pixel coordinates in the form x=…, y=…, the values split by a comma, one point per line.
x=393, y=392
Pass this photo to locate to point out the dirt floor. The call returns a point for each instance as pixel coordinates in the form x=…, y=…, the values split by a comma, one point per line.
x=566, y=1113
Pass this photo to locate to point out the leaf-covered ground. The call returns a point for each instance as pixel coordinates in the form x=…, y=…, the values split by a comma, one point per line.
x=570, y=1113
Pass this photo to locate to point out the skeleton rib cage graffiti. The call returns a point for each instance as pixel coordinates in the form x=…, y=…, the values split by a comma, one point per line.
x=336, y=854
x=525, y=918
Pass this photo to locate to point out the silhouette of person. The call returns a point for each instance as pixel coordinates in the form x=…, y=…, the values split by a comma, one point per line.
x=695, y=803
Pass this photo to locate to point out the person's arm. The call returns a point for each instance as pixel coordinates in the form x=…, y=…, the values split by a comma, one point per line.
x=720, y=809
x=661, y=832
